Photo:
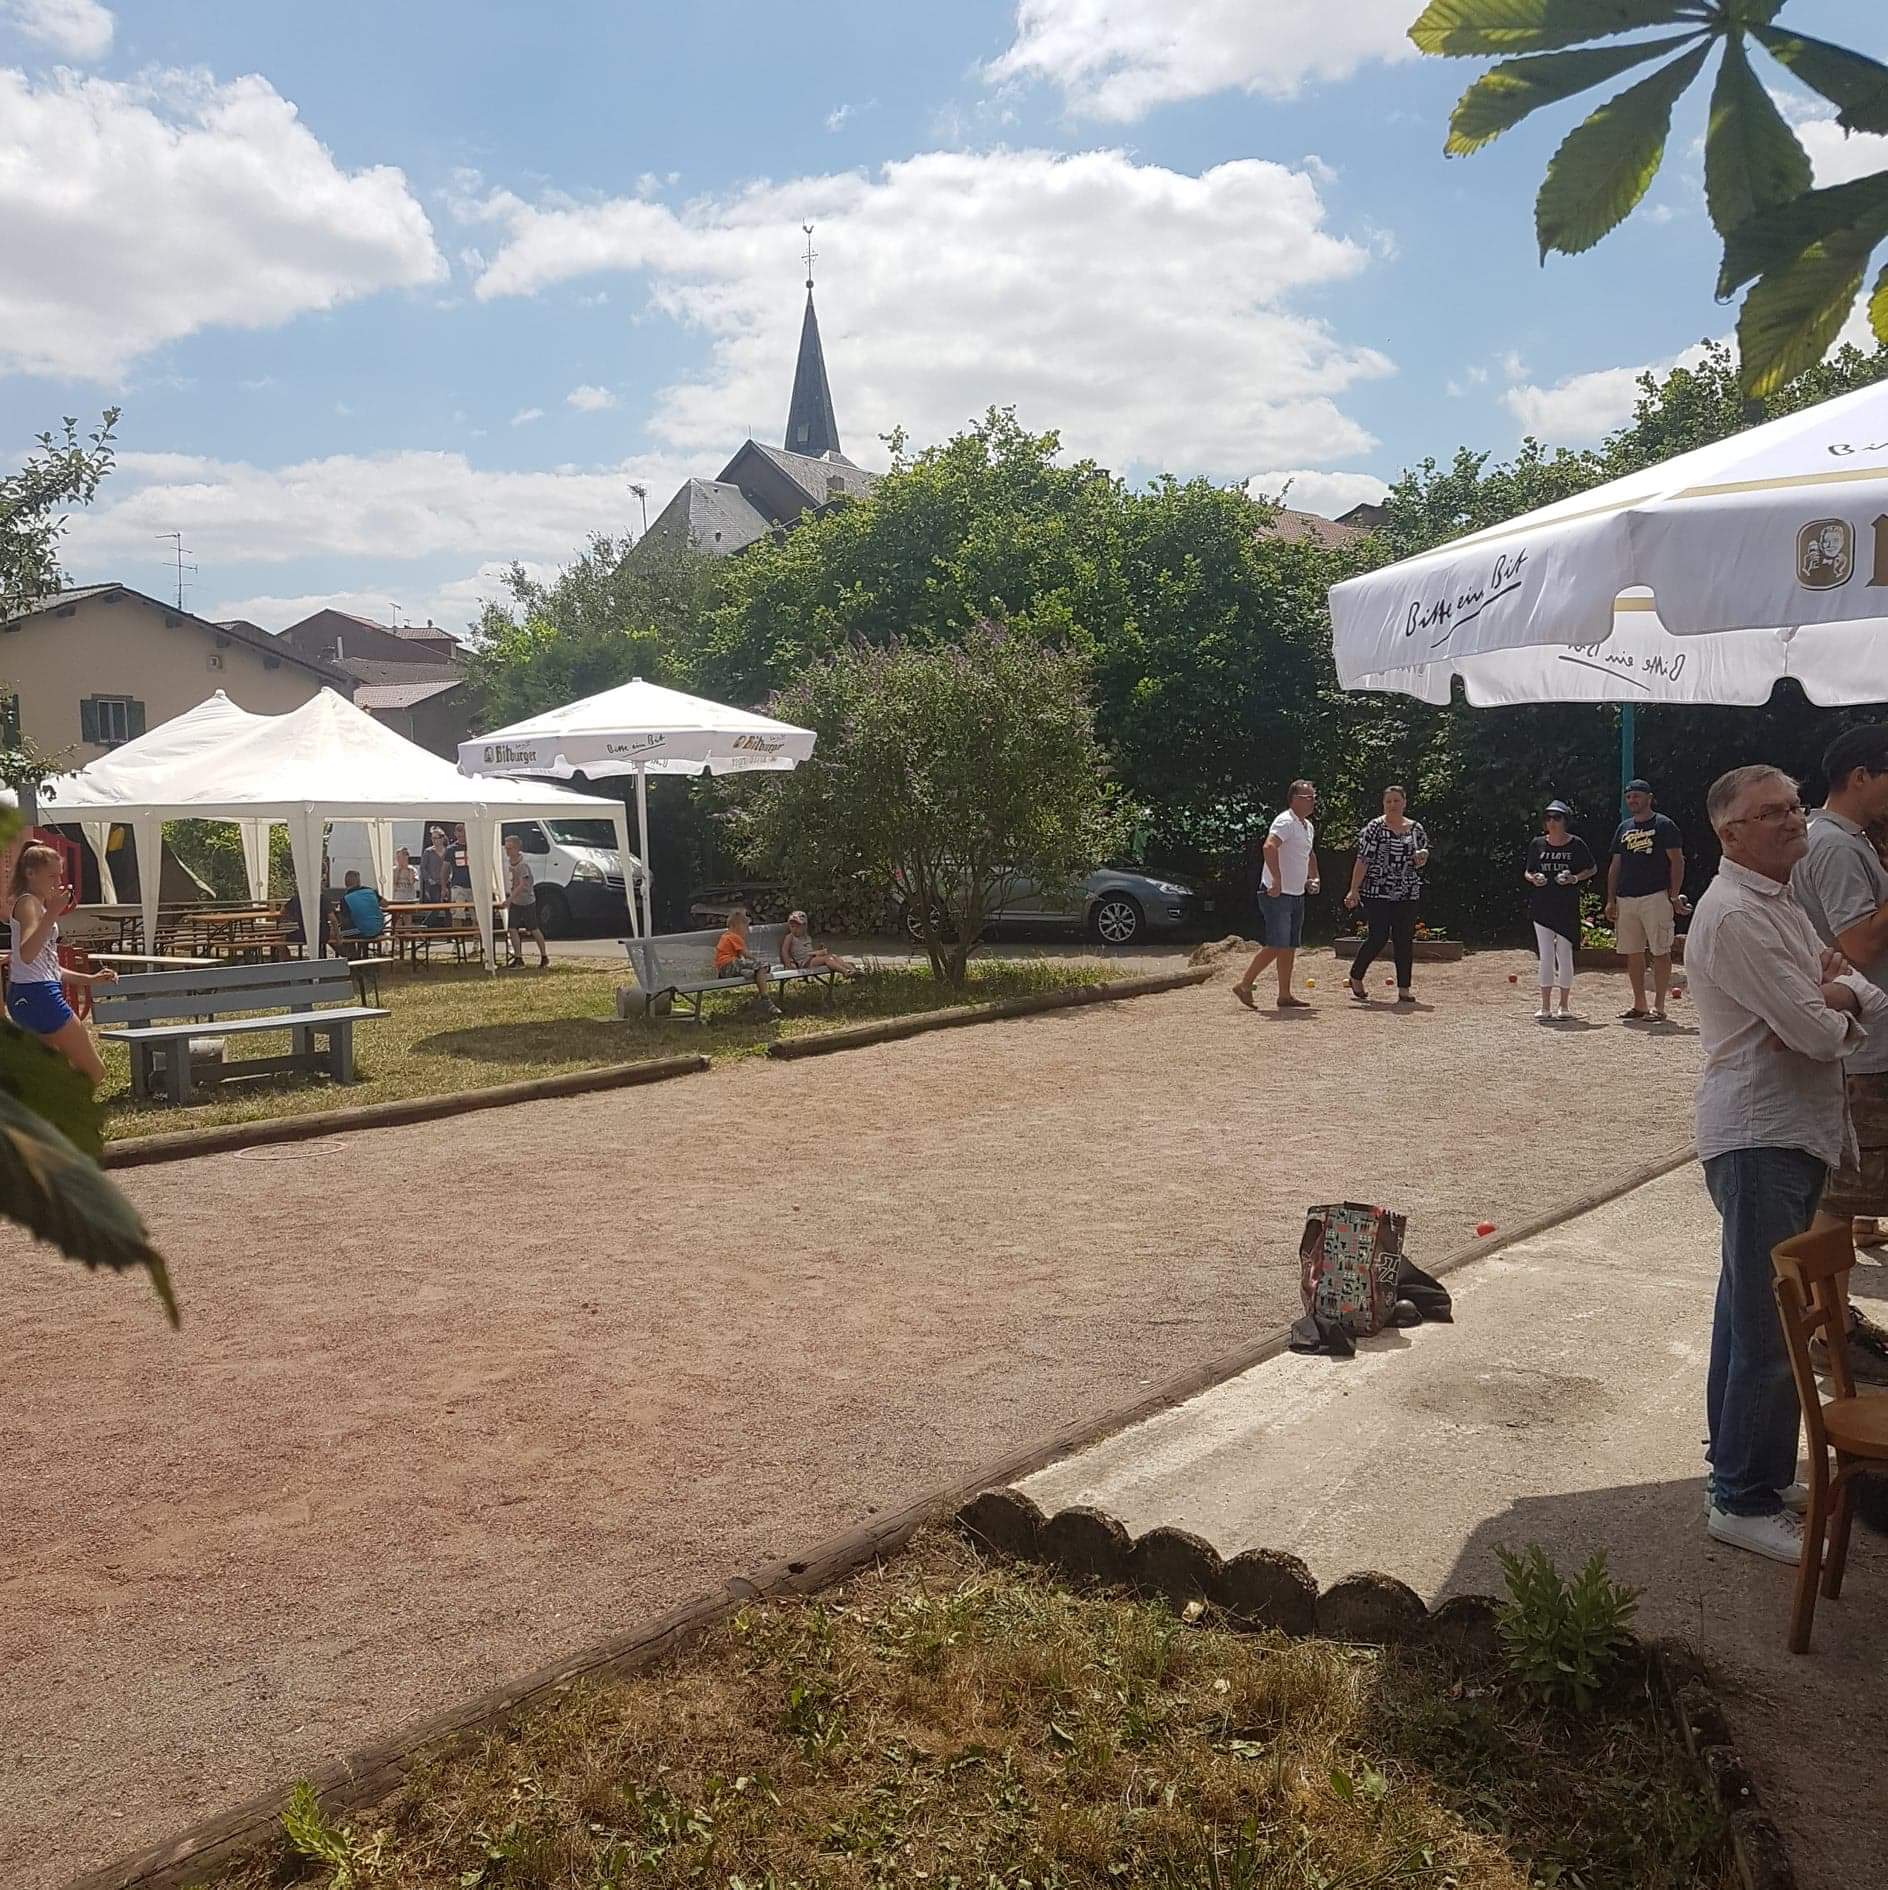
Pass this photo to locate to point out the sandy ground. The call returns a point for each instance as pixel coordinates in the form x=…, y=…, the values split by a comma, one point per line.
x=455, y=1398
x=1564, y=1407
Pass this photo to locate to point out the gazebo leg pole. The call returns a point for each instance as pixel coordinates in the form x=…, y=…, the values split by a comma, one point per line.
x=642, y=838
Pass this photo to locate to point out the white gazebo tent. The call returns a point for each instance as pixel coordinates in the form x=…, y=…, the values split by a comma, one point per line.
x=329, y=761
x=642, y=729
x=123, y=778
x=1778, y=535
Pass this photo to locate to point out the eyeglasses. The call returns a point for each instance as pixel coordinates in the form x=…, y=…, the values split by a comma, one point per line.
x=1769, y=816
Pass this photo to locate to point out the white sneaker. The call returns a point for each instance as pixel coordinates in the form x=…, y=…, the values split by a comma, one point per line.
x=1795, y=1499
x=1780, y=1537
x=1543, y=1015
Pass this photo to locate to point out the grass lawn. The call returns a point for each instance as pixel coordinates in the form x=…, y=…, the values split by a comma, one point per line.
x=456, y=1027
x=945, y=1722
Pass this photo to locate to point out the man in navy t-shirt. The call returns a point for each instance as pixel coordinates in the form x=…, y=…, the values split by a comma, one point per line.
x=1645, y=885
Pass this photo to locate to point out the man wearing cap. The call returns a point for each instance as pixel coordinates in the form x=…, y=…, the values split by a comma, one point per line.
x=1841, y=884
x=1778, y=1014
x=1645, y=893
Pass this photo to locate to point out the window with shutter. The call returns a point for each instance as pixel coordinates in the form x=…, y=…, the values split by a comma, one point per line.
x=9, y=721
x=107, y=720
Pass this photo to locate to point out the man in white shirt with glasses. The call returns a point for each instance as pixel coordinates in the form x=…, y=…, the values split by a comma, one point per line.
x=1778, y=1012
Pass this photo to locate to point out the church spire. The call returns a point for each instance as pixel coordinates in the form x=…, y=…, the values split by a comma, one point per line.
x=812, y=427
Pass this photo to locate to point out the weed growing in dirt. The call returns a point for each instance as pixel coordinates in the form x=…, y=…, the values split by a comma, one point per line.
x=942, y=1721
x=1563, y=1640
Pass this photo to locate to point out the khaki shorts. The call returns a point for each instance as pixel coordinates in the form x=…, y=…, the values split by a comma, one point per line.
x=1861, y=1187
x=1645, y=925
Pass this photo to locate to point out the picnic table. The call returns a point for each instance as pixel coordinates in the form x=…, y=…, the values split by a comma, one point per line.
x=409, y=927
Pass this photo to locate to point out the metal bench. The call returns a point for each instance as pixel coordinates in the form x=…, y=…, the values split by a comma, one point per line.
x=681, y=965
x=139, y=1012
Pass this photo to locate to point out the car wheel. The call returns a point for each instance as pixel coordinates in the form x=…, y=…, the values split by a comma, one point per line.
x=1116, y=919
x=939, y=924
x=553, y=912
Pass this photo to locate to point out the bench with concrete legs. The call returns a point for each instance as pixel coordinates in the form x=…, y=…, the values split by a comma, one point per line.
x=680, y=966
x=156, y=1015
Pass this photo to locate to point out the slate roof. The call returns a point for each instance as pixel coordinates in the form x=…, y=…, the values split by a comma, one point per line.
x=403, y=695
x=812, y=426
x=376, y=672
x=711, y=515
x=812, y=474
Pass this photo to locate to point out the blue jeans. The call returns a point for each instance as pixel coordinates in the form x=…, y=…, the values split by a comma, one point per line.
x=1284, y=920
x=1764, y=1196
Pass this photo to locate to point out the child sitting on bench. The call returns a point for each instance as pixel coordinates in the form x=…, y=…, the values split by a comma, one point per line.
x=733, y=964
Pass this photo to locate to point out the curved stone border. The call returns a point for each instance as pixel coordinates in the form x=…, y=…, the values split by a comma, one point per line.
x=856, y=1036
x=1266, y=1589
x=1261, y=1586
x=1763, y=1858
x=1258, y=1589
x=138, y=1151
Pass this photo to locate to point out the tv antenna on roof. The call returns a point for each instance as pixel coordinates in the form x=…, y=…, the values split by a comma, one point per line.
x=179, y=552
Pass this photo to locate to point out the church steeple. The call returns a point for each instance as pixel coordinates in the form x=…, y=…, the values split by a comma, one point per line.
x=812, y=427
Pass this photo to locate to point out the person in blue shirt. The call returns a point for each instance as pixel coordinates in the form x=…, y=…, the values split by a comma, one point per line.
x=362, y=917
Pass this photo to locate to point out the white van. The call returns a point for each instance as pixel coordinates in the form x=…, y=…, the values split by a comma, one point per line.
x=574, y=863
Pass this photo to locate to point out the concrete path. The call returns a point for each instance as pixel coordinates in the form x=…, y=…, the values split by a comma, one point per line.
x=1564, y=1406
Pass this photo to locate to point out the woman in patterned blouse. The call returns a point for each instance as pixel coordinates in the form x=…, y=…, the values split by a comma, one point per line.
x=1387, y=882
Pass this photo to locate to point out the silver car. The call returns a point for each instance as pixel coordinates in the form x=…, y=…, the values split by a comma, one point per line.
x=1116, y=905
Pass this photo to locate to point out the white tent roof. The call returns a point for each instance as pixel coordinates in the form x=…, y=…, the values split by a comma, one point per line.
x=1782, y=525
x=128, y=773
x=639, y=727
x=324, y=761
x=332, y=759
x=1642, y=663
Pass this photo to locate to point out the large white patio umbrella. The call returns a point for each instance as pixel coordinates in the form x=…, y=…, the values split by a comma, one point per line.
x=94, y=796
x=639, y=728
x=1781, y=528
x=329, y=761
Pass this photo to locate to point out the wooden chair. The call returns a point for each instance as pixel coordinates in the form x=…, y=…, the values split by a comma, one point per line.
x=1812, y=1297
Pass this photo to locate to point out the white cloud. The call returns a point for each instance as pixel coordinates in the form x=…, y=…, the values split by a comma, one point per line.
x=1329, y=493
x=453, y=605
x=1839, y=156
x=74, y=29
x=382, y=507
x=837, y=117
x=1147, y=313
x=525, y=415
x=1583, y=408
x=1118, y=59
x=588, y=399
x=131, y=215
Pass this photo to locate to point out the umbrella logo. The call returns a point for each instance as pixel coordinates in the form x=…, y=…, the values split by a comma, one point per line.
x=1825, y=554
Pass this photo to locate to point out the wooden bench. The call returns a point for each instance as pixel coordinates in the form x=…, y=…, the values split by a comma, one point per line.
x=682, y=965
x=143, y=1012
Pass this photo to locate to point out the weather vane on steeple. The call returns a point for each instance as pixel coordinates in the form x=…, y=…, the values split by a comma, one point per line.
x=811, y=253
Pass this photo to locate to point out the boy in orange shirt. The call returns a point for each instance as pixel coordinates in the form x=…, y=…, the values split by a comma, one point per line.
x=733, y=963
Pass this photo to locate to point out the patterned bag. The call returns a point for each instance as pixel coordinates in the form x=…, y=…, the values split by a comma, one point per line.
x=1351, y=1255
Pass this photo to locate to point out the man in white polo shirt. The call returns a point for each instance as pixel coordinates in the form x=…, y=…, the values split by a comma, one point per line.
x=1291, y=872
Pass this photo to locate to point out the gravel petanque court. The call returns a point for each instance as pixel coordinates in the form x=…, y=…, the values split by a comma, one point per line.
x=455, y=1398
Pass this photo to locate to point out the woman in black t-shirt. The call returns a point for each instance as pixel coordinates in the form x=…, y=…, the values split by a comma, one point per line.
x=1558, y=864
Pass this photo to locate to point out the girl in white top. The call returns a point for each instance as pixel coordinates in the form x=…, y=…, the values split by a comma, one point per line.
x=35, y=1000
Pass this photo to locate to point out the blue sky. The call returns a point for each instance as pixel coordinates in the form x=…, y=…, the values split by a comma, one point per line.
x=391, y=294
